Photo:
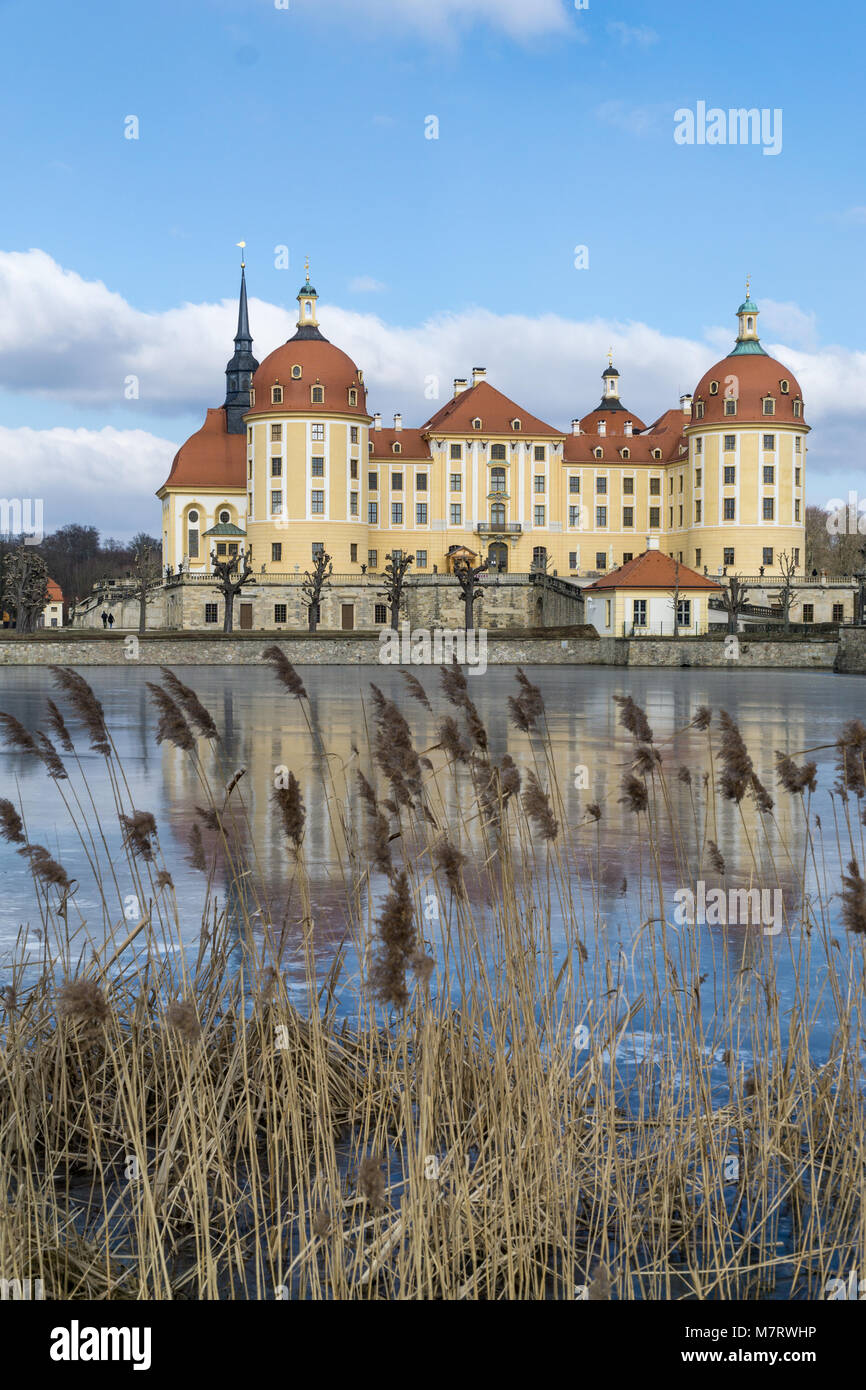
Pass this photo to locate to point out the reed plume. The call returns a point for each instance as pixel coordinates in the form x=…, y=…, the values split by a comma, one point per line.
x=285, y=672
x=290, y=804
x=854, y=900
x=172, y=726
x=11, y=824
x=536, y=804
x=633, y=718
x=192, y=706
x=139, y=830
x=86, y=706
x=395, y=945
x=793, y=778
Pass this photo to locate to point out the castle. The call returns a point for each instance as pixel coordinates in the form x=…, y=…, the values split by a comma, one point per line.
x=292, y=462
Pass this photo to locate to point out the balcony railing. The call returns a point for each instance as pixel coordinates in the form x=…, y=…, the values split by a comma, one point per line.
x=505, y=528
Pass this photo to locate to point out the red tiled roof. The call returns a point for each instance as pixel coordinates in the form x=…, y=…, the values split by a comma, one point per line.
x=615, y=420
x=413, y=444
x=321, y=364
x=750, y=378
x=55, y=593
x=210, y=457
x=494, y=410
x=652, y=570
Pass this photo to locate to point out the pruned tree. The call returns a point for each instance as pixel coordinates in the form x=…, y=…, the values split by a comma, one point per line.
x=394, y=575
x=787, y=595
x=25, y=586
x=315, y=581
x=145, y=569
x=469, y=579
x=734, y=600
x=230, y=576
x=675, y=598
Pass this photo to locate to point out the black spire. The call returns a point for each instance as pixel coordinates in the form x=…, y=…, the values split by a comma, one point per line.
x=239, y=371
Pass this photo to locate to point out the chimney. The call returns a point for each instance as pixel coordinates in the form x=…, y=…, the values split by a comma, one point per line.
x=575, y=427
x=398, y=421
x=478, y=374
x=377, y=421
x=652, y=542
x=460, y=384
x=628, y=428
x=602, y=428
x=686, y=404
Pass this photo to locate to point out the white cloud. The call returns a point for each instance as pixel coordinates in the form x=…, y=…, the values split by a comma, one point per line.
x=634, y=120
x=857, y=215
x=641, y=34
x=73, y=341
x=365, y=284
x=521, y=19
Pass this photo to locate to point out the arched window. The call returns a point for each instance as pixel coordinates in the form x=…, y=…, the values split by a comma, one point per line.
x=276, y=395
x=516, y=425
x=192, y=534
x=750, y=323
x=626, y=453
x=497, y=451
x=353, y=396
x=539, y=557
x=296, y=373
x=398, y=447
x=476, y=423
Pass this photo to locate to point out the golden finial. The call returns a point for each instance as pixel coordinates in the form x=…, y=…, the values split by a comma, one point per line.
x=307, y=267
x=748, y=286
x=241, y=244
x=610, y=356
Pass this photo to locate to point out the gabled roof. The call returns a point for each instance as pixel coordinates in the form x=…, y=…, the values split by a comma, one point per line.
x=495, y=410
x=653, y=570
x=413, y=444
x=55, y=593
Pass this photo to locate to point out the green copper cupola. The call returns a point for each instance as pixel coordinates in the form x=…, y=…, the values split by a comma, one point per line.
x=748, y=342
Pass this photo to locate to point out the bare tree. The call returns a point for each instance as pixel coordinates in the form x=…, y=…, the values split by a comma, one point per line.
x=469, y=579
x=25, y=586
x=145, y=568
x=394, y=575
x=787, y=595
x=675, y=598
x=734, y=599
x=230, y=576
x=314, y=583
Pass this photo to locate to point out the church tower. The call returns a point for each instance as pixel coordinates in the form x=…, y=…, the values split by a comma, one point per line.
x=240, y=369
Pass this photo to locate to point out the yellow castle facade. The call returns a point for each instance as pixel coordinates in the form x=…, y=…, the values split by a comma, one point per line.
x=293, y=462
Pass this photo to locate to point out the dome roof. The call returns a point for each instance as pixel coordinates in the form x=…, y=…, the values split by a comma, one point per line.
x=321, y=364
x=750, y=378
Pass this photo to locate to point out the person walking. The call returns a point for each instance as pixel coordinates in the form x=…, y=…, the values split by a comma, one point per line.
x=111, y=620
x=104, y=618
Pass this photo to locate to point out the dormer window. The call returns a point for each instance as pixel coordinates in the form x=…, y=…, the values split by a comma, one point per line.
x=784, y=387
x=252, y=395
x=714, y=388
x=476, y=423
x=353, y=396
x=798, y=408
x=730, y=406
x=515, y=424
x=317, y=395
x=296, y=373
x=625, y=453
x=598, y=453
x=276, y=395
x=397, y=447
x=657, y=453
x=699, y=410
x=769, y=405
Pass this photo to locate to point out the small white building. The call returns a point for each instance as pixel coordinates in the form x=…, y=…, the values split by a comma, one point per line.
x=641, y=597
x=52, y=613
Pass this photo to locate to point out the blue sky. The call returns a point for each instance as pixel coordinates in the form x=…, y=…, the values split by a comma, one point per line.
x=305, y=127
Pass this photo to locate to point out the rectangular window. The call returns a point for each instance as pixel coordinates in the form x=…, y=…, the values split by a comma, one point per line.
x=769, y=508
x=538, y=483
x=680, y=485
x=572, y=559
x=601, y=516
x=372, y=559
x=671, y=484
x=421, y=514
x=730, y=443
x=277, y=502
x=210, y=613
x=797, y=509
x=396, y=513
x=655, y=487
x=769, y=474
x=654, y=517
x=317, y=502
x=276, y=468
x=680, y=516
x=769, y=407
x=730, y=512
x=767, y=555
x=808, y=612
x=420, y=559
x=276, y=432
x=456, y=514
x=769, y=441
x=276, y=552
x=639, y=612
x=670, y=517
x=730, y=475
x=601, y=486
x=628, y=487
x=699, y=445
x=353, y=552
x=538, y=514
x=698, y=510
x=574, y=484
x=457, y=451
x=353, y=504
x=539, y=453
x=372, y=513
x=730, y=407
x=626, y=556
x=373, y=482
x=353, y=434
x=317, y=548
x=600, y=560
x=684, y=612
x=280, y=612
x=698, y=558
x=396, y=482
x=798, y=445
x=353, y=469
x=380, y=613
x=421, y=482
x=627, y=516
x=728, y=555
x=192, y=542
x=317, y=466
x=838, y=612
x=456, y=482
x=796, y=556
x=574, y=516
x=796, y=477
x=699, y=477
x=317, y=431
